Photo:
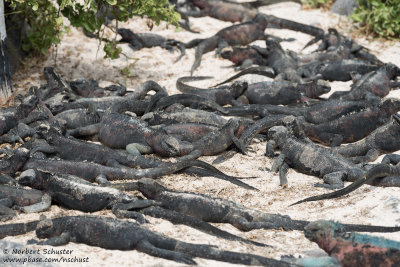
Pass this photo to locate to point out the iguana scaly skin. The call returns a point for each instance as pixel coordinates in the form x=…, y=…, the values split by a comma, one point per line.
x=353, y=249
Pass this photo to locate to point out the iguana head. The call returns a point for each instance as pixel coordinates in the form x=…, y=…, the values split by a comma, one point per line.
x=173, y=146
x=238, y=87
x=27, y=178
x=29, y=103
x=392, y=70
x=46, y=131
x=125, y=33
x=45, y=229
x=323, y=233
x=150, y=188
x=278, y=134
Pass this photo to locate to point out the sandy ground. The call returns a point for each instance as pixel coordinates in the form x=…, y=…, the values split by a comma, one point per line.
x=78, y=56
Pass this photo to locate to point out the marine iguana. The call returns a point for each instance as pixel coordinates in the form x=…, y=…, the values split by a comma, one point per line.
x=215, y=210
x=352, y=127
x=135, y=131
x=385, y=139
x=372, y=84
x=15, y=229
x=78, y=194
x=118, y=234
x=9, y=117
x=188, y=100
x=245, y=33
x=184, y=115
x=138, y=41
x=221, y=10
x=132, y=102
x=284, y=92
x=152, y=168
x=245, y=56
x=91, y=88
x=218, y=210
x=223, y=95
x=353, y=249
x=309, y=158
x=316, y=113
x=13, y=160
x=284, y=66
x=343, y=70
x=238, y=34
x=260, y=125
x=80, y=117
x=26, y=200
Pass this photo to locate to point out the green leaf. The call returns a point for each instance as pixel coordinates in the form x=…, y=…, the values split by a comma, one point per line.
x=112, y=2
x=35, y=6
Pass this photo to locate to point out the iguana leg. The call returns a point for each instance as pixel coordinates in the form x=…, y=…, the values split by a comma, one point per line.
x=60, y=240
x=203, y=47
x=279, y=161
x=244, y=225
x=7, y=179
x=180, y=218
x=113, y=163
x=224, y=156
x=148, y=248
x=121, y=213
x=246, y=64
x=239, y=144
x=45, y=148
x=4, y=210
x=283, y=170
x=11, y=139
x=84, y=131
x=140, y=148
x=125, y=210
x=371, y=97
x=270, y=149
x=102, y=180
x=278, y=39
x=38, y=207
x=371, y=155
x=221, y=45
x=391, y=159
x=181, y=48
x=336, y=140
x=6, y=202
x=333, y=180
x=6, y=213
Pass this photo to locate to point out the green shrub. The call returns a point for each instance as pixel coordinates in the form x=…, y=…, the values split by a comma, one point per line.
x=379, y=16
x=314, y=3
x=45, y=18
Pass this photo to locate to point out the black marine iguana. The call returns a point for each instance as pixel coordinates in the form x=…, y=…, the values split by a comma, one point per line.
x=218, y=210
x=78, y=194
x=309, y=158
x=138, y=41
x=111, y=233
x=385, y=139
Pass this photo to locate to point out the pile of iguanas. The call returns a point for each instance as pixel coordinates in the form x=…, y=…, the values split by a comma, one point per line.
x=85, y=147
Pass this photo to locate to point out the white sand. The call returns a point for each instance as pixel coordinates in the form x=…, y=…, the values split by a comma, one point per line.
x=76, y=57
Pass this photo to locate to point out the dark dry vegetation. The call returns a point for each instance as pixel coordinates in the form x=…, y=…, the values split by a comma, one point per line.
x=89, y=148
